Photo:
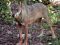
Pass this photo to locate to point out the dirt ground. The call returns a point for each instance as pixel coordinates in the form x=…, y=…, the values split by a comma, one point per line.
x=9, y=34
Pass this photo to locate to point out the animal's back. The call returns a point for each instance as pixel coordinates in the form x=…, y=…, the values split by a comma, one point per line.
x=35, y=11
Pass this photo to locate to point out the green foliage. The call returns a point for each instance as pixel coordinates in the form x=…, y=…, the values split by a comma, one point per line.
x=4, y=11
x=3, y=6
x=54, y=14
x=45, y=26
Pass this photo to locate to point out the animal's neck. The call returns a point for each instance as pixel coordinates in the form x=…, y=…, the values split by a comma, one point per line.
x=24, y=10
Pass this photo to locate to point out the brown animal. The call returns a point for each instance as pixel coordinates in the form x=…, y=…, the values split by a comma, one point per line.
x=25, y=16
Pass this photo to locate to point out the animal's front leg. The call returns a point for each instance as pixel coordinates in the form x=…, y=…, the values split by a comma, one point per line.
x=26, y=41
x=21, y=37
x=20, y=31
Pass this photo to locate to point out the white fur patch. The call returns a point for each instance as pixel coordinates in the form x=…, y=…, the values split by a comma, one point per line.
x=17, y=14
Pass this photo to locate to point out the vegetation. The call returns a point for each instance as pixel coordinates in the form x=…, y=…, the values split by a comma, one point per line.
x=5, y=12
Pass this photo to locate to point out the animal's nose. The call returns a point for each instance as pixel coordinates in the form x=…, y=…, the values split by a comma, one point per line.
x=12, y=15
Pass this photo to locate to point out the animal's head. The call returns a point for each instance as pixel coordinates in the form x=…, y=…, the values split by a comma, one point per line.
x=16, y=9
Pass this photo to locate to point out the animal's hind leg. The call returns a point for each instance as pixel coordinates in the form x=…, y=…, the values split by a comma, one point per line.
x=49, y=22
